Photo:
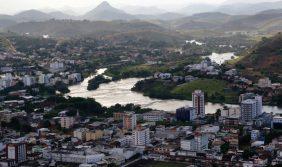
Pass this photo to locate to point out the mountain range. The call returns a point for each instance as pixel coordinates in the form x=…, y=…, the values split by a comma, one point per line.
x=58, y=23
x=105, y=11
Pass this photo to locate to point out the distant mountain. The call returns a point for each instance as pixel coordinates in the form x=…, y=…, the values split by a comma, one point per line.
x=209, y=20
x=265, y=56
x=265, y=21
x=271, y=11
x=163, y=17
x=197, y=8
x=31, y=15
x=60, y=15
x=6, y=21
x=71, y=28
x=232, y=7
x=249, y=8
x=105, y=11
x=142, y=10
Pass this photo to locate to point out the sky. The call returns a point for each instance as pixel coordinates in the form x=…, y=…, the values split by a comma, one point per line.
x=14, y=6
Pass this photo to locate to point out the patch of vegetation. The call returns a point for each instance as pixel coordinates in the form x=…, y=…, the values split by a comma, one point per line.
x=132, y=71
x=264, y=57
x=94, y=83
x=215, y=90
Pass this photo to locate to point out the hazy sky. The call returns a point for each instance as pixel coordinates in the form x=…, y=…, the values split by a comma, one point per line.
x=13, y=6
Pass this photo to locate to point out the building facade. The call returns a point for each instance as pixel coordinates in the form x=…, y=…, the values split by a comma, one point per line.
x=186, y=114
x=17, y=152
x=198, y=98
x=141, y=137
x=129, y=121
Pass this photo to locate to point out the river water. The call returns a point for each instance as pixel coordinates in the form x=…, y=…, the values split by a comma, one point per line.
x=119, y=92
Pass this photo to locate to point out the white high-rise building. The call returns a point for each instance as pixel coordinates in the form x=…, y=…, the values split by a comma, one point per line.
x=141, y=137
x=258, y=100
x=198, y=98
x=248, y=110
x=251, y=108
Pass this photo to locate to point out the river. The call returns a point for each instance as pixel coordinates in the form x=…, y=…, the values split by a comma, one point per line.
x=120, y=92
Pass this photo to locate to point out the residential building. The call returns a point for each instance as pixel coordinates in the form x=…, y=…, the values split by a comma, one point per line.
x=201, y=141
x=80, y=133
x=94, y=135
x=276, y=122
x=198, y=98
x=255, y=134
x=195, y=142
x=17, y=152
x=118, y=116
x=232, y=112
x=55, y=66
x=188, y=143
x=141, y=137
x=7, y=115
x=248, y=110
x=251, y=108
x=186, y=114
x=74, y=156
x=264, y=83
x=67, y=122
x=28, y=80
x=129, y=120
x=43, y=79
x=153, y=116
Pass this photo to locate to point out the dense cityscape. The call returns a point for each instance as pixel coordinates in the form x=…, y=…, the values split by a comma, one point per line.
x=138, y=94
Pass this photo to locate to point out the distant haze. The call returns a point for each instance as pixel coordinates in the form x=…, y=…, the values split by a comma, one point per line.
x=81, y=6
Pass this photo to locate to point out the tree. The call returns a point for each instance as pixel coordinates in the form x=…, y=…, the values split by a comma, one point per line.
x=224, y=147
x=247, y=154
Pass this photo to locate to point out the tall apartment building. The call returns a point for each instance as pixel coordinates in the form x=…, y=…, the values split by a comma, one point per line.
x=251, y=108
x=141, y=137
x=129, y=121
x=16, y=151
x=186, y=114
x=198, y=98
x=248, y=110
x=258, y=100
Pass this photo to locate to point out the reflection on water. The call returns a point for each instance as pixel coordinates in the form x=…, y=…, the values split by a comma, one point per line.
x=120, y=92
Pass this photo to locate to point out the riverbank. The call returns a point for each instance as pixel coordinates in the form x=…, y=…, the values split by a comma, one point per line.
x=119, y=92
x=216, y=91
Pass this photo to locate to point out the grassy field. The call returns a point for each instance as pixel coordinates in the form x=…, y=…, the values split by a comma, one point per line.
x=216, y=91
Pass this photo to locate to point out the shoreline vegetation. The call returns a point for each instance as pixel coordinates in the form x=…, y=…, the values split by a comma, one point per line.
x=216, y=91
x=95, y=82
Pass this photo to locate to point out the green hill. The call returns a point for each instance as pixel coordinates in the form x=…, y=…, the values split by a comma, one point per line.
x=265, y=58
x=5, y=45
